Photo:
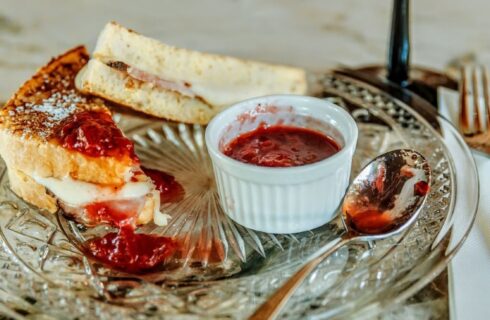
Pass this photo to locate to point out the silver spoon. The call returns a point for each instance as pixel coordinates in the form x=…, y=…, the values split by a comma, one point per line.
x=383, y=200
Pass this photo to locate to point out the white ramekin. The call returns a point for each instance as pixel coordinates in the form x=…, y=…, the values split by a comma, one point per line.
x=282, y=200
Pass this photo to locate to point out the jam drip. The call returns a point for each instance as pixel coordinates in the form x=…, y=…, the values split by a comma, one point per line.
x=170, y=190
x=125, y=249
x=94, y=134
x=131, y=252
x=281, y=146
x=118, y=213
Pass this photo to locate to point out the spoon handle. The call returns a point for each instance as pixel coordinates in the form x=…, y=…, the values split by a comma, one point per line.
x=274, y=304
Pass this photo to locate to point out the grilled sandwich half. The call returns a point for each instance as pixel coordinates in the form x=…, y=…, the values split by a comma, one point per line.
x=63, y=149
x=175, y=83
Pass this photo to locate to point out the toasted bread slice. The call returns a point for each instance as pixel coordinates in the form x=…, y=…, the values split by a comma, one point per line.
x=176, y=83
x=112, y=84
x=32, y=192
x=62, y=148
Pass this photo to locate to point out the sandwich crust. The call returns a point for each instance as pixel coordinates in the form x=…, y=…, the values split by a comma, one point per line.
x=116, y=85
x=32, y=192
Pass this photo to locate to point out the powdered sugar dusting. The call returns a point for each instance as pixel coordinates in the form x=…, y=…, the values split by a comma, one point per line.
x=48, y=99
x=58, y=106
x=52, y=111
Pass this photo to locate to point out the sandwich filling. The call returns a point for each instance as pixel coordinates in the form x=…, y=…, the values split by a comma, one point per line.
x=93, y=204
x=211, y=94
x=182, y=87
x=79, y=193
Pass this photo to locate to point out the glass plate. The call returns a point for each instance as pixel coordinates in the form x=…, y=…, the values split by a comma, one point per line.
x=225, y=270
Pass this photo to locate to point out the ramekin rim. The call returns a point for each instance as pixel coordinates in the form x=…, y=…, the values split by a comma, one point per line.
x=281, y=170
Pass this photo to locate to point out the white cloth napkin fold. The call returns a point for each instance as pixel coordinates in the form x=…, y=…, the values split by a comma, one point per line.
x=470, y=269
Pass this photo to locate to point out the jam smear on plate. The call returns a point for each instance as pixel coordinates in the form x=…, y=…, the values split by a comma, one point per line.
x=131, y=252
x=94, y=134
x=170, y=190
x=281, y=146
x=126, y=250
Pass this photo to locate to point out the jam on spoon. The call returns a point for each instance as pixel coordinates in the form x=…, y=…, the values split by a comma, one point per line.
x=380, y=203
x=383, y=200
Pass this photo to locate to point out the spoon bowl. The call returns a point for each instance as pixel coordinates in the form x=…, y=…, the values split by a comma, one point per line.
x=382, y=201
x=385, y=198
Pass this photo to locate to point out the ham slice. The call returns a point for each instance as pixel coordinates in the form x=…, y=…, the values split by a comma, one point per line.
x=178, y=86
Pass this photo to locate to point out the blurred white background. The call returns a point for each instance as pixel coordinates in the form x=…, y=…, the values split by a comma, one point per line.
x=315, y=34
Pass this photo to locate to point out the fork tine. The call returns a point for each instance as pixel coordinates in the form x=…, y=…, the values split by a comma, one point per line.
x=476, y=102
x=463, y=103
x=486, y=96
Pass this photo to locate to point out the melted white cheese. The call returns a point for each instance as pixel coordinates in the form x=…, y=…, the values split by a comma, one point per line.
x=159, y=218
x=218, y=95
x=76, y=193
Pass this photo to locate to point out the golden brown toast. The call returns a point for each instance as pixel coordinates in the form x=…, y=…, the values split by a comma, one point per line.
x=47, y=132
x=32, y=192
x=29, y=121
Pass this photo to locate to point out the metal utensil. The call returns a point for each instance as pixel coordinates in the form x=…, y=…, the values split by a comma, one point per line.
x=474, y=111
x=399, y=49
x=383, y=200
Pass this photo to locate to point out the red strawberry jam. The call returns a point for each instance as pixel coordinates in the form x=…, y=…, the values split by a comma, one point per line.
x=131, y=252
x=281, y=146
x=170, y=190
x=94, y=134
x=117, y=212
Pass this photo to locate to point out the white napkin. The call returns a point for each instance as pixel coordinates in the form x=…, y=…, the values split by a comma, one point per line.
x=470, y=269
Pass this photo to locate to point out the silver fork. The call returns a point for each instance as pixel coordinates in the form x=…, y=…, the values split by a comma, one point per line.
x=474, y=121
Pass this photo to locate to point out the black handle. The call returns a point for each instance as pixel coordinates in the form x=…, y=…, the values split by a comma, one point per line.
x=399, y=50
